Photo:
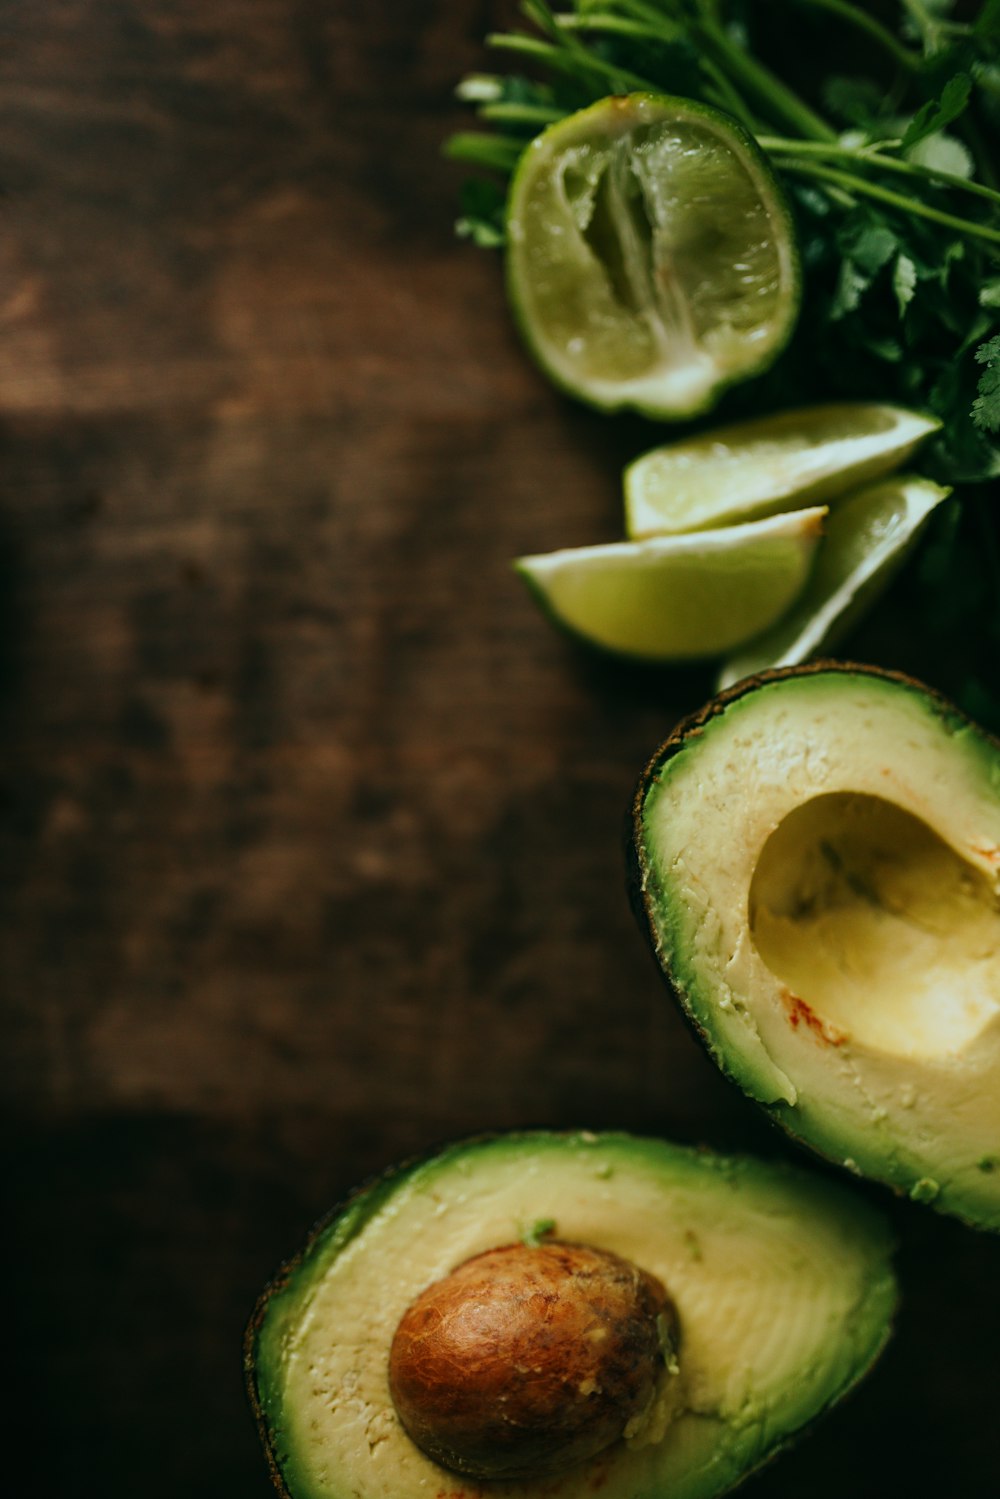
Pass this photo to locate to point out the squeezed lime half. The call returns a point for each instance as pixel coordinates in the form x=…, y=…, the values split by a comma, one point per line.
x=677, y=598
x=868, y=535
x=780, y=462
x=651, y=256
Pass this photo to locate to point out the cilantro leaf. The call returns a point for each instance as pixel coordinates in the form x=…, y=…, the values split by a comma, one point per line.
x=986, y=406
x=852, y=283
x=937, y=113
x=904, y=281
x=870, y=245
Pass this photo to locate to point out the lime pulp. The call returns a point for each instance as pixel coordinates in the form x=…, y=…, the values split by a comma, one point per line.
x=868, y=535
x=682, y=597
x=651, y=257
x=778, y=462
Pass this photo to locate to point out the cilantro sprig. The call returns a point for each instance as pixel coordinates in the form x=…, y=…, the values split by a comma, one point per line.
x=889, y=164
x=893, y=168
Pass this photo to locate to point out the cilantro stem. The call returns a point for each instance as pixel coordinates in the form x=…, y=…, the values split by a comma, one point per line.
x=741, y=69
x=927, y=25
x=768, y=89
x=726, y=96
x=598, y=21
x=861, y=186
x=878, y=159
x=862, y=21
x=561, y=61
x=541, y=13
x=522, y=114
x=658, y=16
x=724, y=57
x=499, y=153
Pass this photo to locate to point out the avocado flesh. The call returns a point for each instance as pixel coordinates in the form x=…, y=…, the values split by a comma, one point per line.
x=781, y=1282
x=864, y=912
x=821, y=860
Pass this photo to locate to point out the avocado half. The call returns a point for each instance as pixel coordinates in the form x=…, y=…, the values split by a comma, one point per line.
x=781, y=1282
x=818, y=866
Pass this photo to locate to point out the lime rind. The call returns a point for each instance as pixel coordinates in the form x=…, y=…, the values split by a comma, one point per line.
x=743, y=471
x=682, y=598
x=869, y=534
x=651, y=255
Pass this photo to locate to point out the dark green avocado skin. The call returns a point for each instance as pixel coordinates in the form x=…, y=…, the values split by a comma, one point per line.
x=637, y=874
x=354, y=1210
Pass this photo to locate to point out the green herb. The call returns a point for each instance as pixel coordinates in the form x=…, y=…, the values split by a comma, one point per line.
x=539, y=1230
x=986, y=406
x=884, y=132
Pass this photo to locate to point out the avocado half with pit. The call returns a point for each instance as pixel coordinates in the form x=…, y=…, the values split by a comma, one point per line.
x=546, y=1314
x=818, y=861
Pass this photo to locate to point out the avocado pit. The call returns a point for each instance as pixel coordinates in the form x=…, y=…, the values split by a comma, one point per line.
x=528, y=1359
x=881, y=932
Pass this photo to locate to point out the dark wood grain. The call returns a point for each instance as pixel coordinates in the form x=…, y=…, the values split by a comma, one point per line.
x=311, y=834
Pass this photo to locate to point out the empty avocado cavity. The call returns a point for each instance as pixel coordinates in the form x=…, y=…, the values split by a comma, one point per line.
x=877, y=927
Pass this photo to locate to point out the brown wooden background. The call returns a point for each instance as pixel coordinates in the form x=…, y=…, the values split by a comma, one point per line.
x=311, y=830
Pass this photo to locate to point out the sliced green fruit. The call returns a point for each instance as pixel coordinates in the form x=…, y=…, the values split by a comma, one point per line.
x=651, y=257
x=755, y=468
x=780, y=1282
x=867, y=538
x=818, y=859
x=677, y=598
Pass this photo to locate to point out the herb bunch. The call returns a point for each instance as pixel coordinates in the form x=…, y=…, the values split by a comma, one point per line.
x=885, y=144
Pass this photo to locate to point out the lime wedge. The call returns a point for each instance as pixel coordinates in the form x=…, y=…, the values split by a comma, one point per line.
x=651, y=257
x=772, y=463
x=867, y=537
x=677, y=598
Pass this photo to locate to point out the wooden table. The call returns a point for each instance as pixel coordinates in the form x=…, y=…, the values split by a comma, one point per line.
x=312, y=833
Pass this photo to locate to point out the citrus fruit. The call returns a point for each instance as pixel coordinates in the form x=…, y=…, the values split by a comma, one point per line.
x=651, y=257
x=867, y=537
x=754, y=468
x=676, y=598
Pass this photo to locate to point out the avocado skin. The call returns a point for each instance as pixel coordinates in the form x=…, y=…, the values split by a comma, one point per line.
x=638, y=870
x=362, y=1201
x=360, y=1205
